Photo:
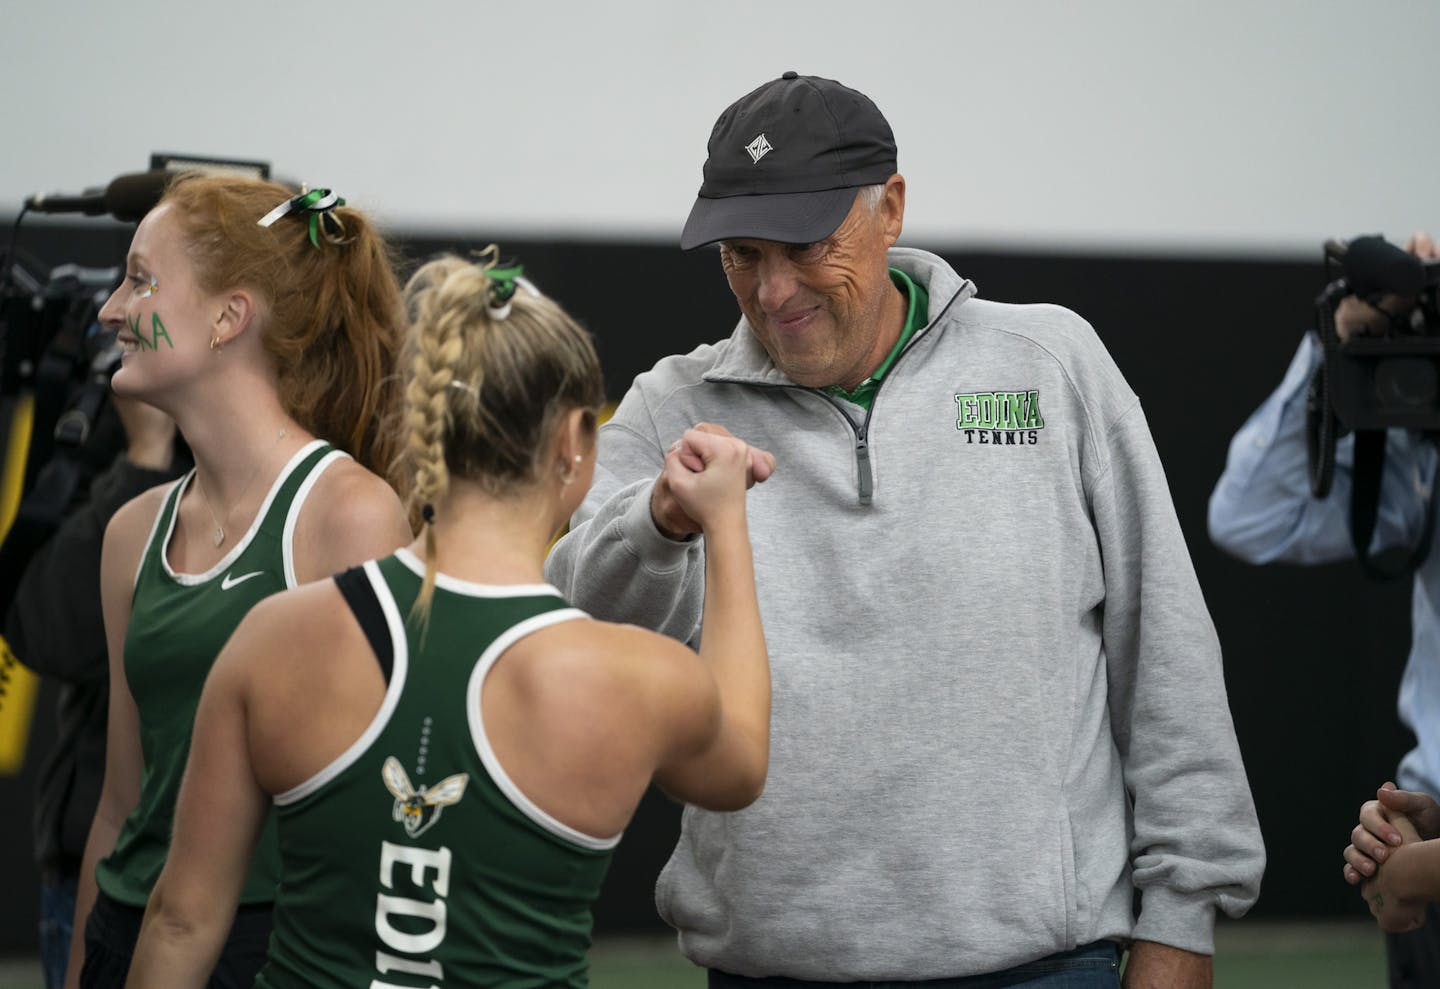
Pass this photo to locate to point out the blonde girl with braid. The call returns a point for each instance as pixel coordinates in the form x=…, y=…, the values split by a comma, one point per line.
x=267, y=325
x=452, y=749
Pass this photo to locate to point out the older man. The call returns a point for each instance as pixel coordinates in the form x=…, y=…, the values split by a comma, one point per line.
x=998, y=702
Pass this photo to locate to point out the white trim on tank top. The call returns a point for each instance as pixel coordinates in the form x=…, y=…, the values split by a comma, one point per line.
x=292, y=518
x=487, y=754
x=470, y=589
x=400, y=648
x=400, y=668
x=193, y=579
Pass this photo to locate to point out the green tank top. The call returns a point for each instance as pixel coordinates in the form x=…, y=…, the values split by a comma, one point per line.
x=178, y=624
x=413, y=859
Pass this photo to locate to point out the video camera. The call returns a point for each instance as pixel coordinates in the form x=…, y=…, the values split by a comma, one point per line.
x=1371, y=382
x=52, y=342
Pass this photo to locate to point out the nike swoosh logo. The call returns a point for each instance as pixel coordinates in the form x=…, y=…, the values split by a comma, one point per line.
x=230, y=582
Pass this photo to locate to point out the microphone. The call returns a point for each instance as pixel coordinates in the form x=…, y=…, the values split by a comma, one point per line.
x=127, y=198
x=1373, y=264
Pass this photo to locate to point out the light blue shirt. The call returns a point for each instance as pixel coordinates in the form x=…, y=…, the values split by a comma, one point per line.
x=1262, y=511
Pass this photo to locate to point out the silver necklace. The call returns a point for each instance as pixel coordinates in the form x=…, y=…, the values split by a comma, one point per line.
x=219, y=526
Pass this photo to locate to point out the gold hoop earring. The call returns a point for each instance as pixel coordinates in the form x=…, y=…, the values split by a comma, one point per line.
x=215, y=342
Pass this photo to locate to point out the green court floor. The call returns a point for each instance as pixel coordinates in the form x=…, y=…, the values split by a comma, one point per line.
x=1249, y=955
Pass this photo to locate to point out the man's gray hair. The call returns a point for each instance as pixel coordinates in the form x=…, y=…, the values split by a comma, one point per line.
x=871, y=195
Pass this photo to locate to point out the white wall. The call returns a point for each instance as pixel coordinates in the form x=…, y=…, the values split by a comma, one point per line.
x=1221, y=126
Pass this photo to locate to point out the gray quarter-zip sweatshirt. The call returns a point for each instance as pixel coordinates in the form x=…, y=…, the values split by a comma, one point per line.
x=998, y=704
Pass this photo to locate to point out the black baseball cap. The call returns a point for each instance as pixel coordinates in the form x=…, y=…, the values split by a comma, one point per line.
x=785, y=160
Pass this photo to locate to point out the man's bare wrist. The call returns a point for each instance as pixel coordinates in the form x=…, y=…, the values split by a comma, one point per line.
x=674, y=537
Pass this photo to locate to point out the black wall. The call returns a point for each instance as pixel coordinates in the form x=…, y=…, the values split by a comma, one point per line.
x=1312, y=655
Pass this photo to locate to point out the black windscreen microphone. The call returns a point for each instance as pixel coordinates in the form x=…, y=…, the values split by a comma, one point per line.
x=128, y=197
x=1373, y=264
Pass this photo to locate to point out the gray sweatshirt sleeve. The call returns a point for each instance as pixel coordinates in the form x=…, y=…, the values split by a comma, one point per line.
x=1197, y=843
x=614, y=563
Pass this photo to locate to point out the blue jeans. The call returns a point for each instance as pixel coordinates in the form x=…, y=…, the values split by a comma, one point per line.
x=57, y=914
x=1092, y=966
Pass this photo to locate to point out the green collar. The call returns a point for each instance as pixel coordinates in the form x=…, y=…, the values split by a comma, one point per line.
x=915, y=319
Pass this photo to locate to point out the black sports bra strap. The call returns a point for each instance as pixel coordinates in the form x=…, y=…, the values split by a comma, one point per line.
x=360, y=596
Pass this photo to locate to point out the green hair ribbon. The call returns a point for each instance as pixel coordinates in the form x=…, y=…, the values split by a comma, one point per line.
x=503, y=281
x=318, y=203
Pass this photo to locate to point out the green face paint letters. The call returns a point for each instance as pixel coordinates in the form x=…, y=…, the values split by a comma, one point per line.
x=157, y=331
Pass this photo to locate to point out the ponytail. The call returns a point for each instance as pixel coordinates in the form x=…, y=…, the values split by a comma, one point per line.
x=333, y=316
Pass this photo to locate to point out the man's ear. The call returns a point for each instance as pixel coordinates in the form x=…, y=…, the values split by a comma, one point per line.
x=892, y=208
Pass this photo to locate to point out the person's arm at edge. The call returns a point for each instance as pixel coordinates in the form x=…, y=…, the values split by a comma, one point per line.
x=124, y=543
x=218, y=818
x=1262, y=509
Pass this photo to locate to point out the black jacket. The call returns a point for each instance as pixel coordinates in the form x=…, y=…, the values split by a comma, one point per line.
x=55, y=627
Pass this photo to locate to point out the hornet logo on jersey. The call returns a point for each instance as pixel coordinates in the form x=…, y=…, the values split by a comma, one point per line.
x=418, y=809
x=1000, y=418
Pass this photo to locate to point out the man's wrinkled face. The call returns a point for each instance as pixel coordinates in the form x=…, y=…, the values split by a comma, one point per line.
x=817, y=308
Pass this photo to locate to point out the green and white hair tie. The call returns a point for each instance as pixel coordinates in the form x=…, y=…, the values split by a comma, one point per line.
x=503, y=283
x=319, y=204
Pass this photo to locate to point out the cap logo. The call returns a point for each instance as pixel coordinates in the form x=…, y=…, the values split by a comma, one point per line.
x=758, y=148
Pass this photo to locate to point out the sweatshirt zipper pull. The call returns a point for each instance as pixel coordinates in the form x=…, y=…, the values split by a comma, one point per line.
x=862, y=461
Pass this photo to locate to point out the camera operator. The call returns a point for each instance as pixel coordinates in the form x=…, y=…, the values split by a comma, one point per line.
x=1263, y=510
x=54, y=627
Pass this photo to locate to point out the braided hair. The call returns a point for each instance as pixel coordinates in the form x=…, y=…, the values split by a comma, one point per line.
x=489, y=372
